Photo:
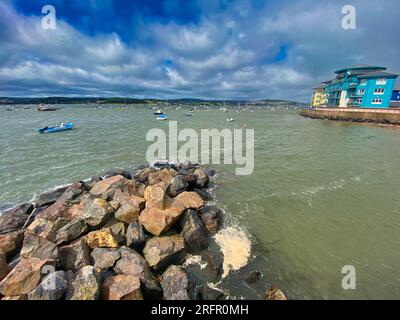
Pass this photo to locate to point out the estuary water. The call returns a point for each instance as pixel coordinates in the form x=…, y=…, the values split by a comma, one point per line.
x=323, y=194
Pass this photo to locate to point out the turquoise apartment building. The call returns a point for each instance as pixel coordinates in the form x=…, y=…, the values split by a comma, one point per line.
x=360, y=86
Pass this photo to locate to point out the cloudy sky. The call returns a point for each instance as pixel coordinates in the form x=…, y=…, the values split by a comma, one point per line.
x=225, y=49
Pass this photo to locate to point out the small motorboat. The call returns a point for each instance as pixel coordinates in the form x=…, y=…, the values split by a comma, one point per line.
x=58, y=128
x=158, y=112
x=45, y=108
x=162, y=117
x=230, y=120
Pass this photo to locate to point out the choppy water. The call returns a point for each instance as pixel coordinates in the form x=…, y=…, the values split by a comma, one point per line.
x=323, y=194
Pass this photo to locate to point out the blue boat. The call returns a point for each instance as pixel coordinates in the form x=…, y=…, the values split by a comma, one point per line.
x=162, y=117
x=59, y=128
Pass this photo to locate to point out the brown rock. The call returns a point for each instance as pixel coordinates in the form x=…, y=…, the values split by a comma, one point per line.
x=165, y=176
x=75, y=256
x=275, y=294
x=3, y=266
x=122, y=287
x=211, y=216
x=47, y=229
x=135, y=236
x=38, y=247
x=61, y=208
x=201, y=178
x=132, y=263
x=161, y=252
x=10, y=243
x=24, y=277
x=97, y=212
x=106, y=188
x=174, y=283
x=143, y=175
x=191, y=200
x=16, y=298
x=130, y=207
x=157, y=221
x=193, y=231
x=104, y=258
x=118, y=229
x=155, y=196
x=101, y=239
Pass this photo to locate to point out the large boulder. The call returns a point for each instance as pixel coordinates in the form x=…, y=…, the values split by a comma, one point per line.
x=85, y=285
x=157, y=221
x=71, y=231
x=174, y=283
x=122, y=287
x=107, y=188
x=155, y=196
x=14, y=219
x=129, y=206
x=132, y=263
x=105, y=258
x=211, y=216
x=101, y=239
x=118, y=230
x=46, y=228
x=143, y=175
x=61, y=208
x=193, y=231
x=97, y=212
x=24, y=277
x=164, y=176
x=10, y=243
x=191, y=200
x=178, y=185
x=3, y=266
x=75, y=256
x=135, y=236
x=38, y=247
x=202, y=178
x=48, y=198
x=53, y=287
x=161, y=252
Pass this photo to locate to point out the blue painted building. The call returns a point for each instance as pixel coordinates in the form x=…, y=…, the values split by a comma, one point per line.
x=362, y=86
x=395, y=102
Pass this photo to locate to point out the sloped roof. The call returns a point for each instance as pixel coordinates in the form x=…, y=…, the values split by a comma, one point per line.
x=359, y=66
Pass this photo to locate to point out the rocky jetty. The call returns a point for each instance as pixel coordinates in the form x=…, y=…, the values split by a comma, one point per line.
x=121, y=236
x=148, y=234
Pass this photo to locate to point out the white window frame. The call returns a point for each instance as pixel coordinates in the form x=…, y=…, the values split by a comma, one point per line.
x=379, y=91
x=381, y=81
x=376, y=101
x=361, y=91
x=363, y=82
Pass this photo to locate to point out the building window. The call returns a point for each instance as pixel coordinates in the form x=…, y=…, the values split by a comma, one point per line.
x=361, y=91
x=381, y=81
x=363, y=82
x=376, y=101
x=379, y=91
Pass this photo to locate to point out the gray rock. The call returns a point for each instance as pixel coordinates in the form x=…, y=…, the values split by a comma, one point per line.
x=38, y=247
x=97, y=212
x=105, y=258
x=14, y=219
x=118, y=229
x=201, y=178
x=85, y=285
x=174, y=283
x=75, y=256
x=53, y=287
x=178, y=185
x=160, y=252
x=132, y=263
x=193, y=231
x=211, y=216
x=135, y=236
x=118, y=172
x=48, y=198
x=71, y=231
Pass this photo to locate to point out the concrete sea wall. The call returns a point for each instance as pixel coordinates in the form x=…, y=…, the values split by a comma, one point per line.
x=379, y=116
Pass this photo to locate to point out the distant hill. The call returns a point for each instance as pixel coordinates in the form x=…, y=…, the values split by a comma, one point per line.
x=121, y=100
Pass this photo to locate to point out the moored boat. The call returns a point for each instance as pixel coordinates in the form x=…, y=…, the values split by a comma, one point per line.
x=58, y=128
x=162, y=117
